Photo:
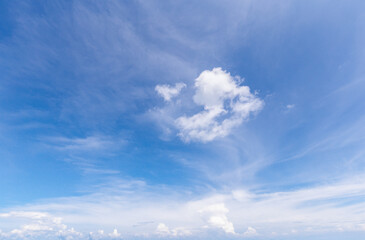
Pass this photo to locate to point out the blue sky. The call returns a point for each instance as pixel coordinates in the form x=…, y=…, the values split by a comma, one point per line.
x=182, y=120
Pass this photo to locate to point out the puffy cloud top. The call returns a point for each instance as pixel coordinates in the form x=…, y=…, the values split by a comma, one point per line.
x=225, y=105
x=216, y=214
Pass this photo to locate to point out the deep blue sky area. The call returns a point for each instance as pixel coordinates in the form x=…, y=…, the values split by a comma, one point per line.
x=182, y=120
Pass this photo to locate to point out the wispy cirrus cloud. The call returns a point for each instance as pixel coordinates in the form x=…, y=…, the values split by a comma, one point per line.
x=85, y=152
x=89, y=143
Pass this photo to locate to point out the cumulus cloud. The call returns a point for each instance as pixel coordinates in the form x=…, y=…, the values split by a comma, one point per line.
x=168, y=92
x=164, y=230
x=216, y=217
x=101, y=235
x=36, y=225
x=226, y=104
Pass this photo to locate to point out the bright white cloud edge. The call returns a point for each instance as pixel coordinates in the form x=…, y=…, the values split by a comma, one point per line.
x=226, y=104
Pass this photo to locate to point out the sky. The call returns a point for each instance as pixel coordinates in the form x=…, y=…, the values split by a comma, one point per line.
x=182, y=120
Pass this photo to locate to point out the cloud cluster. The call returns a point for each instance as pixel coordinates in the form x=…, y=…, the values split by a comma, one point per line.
x=164, y=231
x=42, y=225
x=225, y=105
x=37, y=225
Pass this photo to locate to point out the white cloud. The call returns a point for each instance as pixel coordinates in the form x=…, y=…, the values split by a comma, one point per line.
x=316, y=209
x=290, y=106
x=168, y=92
x=81, y=144
x=164, y=230
x=37, y=227
x=250, y=232
x=114, y=234
x=241, y=195
x=216, y=217
x=180, y=232
x=225, y=105
x=35, y=224
x=24, y=214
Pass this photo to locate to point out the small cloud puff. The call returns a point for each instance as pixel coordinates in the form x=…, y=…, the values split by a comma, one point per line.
x=250, y=232
x=168, y=92
x=114, y=234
